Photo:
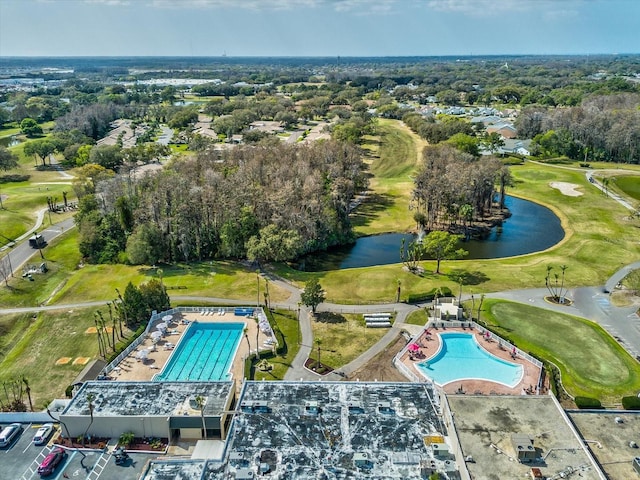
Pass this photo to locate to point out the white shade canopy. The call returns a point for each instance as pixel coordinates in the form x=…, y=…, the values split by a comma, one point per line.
x=142, y=354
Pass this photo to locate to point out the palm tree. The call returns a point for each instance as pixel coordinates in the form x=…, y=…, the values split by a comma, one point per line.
x=605, y=185
x=480, y=306
x=318, y=343
x=126, y=438
x=46, y=407
x=257, y=335
x=200, y=401
x=563, y=268
x=466, y=213
x=102, y=350
x=90, y=398
x=246, y=337
x=27, y=389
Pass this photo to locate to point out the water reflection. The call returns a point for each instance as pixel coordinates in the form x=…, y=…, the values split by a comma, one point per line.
x=531, y=228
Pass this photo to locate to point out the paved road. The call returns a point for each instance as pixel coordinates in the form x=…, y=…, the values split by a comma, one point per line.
x=166, y=136
x=20, y=253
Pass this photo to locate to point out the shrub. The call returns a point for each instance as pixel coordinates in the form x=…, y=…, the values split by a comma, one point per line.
x=13, y=178
x=69, y=391
x=428, y=296
x=587, y=402
x=631, y=403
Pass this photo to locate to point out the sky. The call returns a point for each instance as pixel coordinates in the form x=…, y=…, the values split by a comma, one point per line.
x=317, y=27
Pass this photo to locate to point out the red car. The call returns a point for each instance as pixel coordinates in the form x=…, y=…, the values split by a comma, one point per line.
x=49, y=464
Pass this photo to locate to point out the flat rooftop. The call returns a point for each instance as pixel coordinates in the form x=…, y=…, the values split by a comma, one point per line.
x=608, y=435
x=486, y=425
x=148, y=398
x=345, y=429
x=170, y=470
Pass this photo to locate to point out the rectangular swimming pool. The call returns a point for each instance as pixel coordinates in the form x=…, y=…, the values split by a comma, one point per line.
x=205, y=353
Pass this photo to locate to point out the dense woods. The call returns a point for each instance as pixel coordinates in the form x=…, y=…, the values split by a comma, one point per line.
x=272, y=200
x=603, y=128
x=265, y=202
x=453, y=189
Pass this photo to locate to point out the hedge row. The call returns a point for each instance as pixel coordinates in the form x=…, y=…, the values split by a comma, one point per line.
x=631, y=403
x=429, y=296
x=14, y=178
x=587, y=402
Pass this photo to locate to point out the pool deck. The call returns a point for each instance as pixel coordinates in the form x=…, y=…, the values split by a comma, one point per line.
x=430, y=343
x=133, y=369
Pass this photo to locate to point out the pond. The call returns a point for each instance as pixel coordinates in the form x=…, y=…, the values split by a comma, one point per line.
x=531, y=228
x=10, y=141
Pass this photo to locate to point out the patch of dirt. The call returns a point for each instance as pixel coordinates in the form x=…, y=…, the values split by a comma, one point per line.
x=81, y=361
x=625, y=298
x=381, y=367
x=63, y=360
x=321, y=369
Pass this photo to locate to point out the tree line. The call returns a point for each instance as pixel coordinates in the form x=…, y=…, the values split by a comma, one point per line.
x=266, y=202
x=603, y=128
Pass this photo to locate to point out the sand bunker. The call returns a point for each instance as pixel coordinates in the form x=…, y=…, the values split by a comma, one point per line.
x=568, y=189
x=63, y=360
x=94, y=330
x=81, y=361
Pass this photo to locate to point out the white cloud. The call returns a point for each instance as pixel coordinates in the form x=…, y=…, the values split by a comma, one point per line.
x=111, y=3
x=356, y=6
x=551, y=8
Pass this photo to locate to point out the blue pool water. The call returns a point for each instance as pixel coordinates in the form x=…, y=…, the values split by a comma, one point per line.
x=204, y=353
x=461, y=358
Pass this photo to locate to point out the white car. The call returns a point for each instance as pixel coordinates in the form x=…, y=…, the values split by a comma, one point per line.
x=42, y=435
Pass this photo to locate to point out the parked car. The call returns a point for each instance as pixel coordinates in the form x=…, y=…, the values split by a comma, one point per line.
x=42, y=435
x=9, y=433
x=51, y=461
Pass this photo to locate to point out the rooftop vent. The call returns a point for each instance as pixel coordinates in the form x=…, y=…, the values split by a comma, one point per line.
x=244, y=474
x=619, y=420
x=385, y=408
x=311, y=407
x=355, y=407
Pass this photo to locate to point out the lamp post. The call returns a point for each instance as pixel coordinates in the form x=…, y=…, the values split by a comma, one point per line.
x=299, y=339
x=258, y=280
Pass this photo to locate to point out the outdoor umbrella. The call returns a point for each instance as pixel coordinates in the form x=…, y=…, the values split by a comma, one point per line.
x=167, y=318
x=142, y=354
x=157, y=335
x=414, y=347
x=161, y=326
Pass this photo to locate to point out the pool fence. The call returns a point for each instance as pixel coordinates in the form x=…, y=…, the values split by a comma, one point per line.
x=158, y=317
x=440, y=324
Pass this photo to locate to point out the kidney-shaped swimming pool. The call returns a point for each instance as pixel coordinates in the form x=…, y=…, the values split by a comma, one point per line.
x=461, y=358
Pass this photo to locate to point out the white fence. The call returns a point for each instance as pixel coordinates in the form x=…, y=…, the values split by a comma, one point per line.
x=157, y=318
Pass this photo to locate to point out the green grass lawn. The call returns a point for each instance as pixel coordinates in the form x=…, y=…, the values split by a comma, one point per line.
x=219, y=279
x=630, y=185
x=31, y=344
x=418, y=317
x=24, y=199
x=61, y=257
x=591, y=362
x=343, y=338
x=287, y=322
x=392, y=156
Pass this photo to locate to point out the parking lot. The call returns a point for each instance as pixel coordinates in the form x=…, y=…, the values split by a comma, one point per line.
x=20, y=460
